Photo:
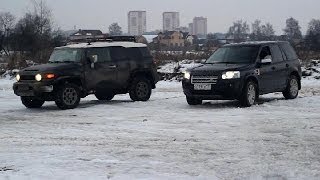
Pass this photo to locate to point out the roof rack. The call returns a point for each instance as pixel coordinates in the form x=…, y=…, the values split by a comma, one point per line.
x=102, y=39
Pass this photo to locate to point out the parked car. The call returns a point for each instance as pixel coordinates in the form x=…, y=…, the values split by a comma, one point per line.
x=101, y=68
x=244, y=71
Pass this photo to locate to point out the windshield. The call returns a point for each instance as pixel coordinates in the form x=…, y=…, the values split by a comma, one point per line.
x=67, y=55
x=234, y=55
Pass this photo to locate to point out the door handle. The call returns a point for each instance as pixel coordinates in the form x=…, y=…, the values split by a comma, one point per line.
x=273, y=68
x=112, y=66
x=287, y=65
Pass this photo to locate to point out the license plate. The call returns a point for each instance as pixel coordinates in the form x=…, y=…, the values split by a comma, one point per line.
x=202, y=87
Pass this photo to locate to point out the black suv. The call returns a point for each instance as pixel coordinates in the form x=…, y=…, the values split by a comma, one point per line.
x=101, y=68
x=244, y=71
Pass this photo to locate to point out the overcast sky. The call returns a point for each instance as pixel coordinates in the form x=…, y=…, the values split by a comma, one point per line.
x=99, y=14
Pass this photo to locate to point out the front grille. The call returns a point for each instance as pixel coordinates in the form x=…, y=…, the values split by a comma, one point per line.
x=27, y=77
x=204, y=79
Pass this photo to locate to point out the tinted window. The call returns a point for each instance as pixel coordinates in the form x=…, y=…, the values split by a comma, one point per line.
x=134, y=53
x=276, y=54
x=118, y=53
x=102, y=53
x=289, y=51
x=234, y=54
x=265, y=53
x=145, y=52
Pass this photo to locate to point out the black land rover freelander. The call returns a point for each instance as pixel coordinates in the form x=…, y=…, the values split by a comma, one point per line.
x=244, y=71
x=75, y=71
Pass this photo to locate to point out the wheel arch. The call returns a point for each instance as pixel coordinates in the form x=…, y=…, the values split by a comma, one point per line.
x=296, y=74
x=255, y=80
x=143, y=73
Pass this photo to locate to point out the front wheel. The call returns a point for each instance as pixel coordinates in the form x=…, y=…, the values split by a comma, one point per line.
x=193, y=101
x=32, y=102
x=68, y=96
x=292, y=89
x=249, y=94
x=140, y=89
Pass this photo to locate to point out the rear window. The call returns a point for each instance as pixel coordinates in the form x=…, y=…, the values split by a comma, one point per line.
x=289, y=51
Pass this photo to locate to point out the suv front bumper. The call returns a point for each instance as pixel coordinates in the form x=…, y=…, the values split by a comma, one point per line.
x=222, y=90
x=32, y=88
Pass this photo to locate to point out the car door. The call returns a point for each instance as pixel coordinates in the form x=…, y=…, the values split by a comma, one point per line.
x=123, y=61
x=103, y=74
x=279, y=68
x=265, y=72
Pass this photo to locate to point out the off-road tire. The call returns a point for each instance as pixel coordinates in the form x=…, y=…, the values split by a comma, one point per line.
x=292, y=90
x=140, y=89
x=68, y=96
x=32, y=102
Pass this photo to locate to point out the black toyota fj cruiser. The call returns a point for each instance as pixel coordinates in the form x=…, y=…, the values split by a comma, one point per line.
x=77, y=70
x=244, y=71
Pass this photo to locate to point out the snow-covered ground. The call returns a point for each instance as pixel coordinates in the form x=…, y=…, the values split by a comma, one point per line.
x=163, y=138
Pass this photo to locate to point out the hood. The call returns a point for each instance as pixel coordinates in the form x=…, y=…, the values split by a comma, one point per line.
x=217, y=68
x=54, y=67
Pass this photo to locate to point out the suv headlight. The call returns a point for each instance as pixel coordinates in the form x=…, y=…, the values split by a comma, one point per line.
x=38, y=77
x=18, y=77
x=231, y=75
x=186, y=75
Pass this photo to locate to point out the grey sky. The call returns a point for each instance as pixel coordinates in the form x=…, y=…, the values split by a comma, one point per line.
x=99, y=14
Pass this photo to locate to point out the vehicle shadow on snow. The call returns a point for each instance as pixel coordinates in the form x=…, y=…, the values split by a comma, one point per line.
x=221, y=104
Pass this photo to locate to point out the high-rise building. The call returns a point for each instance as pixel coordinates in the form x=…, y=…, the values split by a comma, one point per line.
x=191, y=28
x=137, y=22
x=171, y=21
x=200, y=26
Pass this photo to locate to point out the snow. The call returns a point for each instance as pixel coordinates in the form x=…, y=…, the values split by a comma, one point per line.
x=178, y=67
x=163, y=138
x=104, y=44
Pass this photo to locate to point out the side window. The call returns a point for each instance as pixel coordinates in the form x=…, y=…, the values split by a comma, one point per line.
x=145, y=52
x=102, y=53
x=289, y=51
x=134, y=53
x=118, y=53
x=276, y=54
x=265, y=53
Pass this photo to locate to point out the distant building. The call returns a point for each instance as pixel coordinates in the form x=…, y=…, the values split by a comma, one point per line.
x=137, y=23
x=183, y=29
x=200, y=27
x=171, y=21
x=171, y=38
x=191, y=28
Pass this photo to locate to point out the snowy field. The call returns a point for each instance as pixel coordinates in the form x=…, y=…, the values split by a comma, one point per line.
x=163, y=138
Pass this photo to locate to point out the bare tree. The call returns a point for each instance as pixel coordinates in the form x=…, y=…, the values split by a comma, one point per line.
x=293, y=30
x=115, y=29
x=239, y=31
x=7, y=21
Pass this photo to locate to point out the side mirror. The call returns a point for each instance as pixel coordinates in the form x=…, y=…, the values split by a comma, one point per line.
x=266, y=61
x=93, y=59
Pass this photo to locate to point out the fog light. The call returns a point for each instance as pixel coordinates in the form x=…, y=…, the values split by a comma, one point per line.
x=18, y=77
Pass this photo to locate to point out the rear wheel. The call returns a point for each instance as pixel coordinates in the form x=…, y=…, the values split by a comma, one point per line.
x=193, y=101
x=249, y=94
x=140, y=89
x=292, y=89
x=32, y=102
x=68, y=96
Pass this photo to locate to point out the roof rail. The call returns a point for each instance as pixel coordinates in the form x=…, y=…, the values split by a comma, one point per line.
x=102, y=39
